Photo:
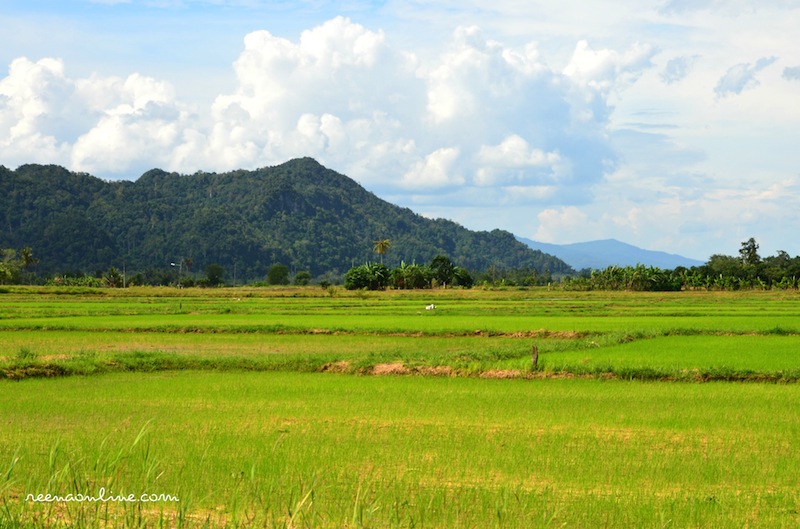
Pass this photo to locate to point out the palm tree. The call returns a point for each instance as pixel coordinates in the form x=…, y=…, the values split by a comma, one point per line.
x=381, y=246
x=28, y=260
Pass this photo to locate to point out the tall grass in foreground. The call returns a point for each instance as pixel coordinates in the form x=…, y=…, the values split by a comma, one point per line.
x=322, y=450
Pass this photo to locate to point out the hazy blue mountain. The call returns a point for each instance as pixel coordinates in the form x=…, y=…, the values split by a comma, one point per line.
x=610, y=252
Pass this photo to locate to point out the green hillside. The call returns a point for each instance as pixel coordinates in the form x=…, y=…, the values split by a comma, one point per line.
x=299, y=214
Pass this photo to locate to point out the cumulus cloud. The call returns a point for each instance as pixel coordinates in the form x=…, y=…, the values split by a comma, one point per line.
x=514, y=160
x=436, y=170
x=477, y=70
x=39, y=111
x=339, y=93
x=95, y=124
x=603, y=69
x=741, y=77
x=140, y=125
x=478, y=114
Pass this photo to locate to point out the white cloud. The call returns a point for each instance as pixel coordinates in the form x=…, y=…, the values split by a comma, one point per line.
x=339, y=94
x=474, y=71
x=128, y=133
x=605, y=69
x=477, y=113
x=337, y=65
x=38, y=111
x=514, y=160
x=557, y=225
x=610, y=119
x=140, y=125
x=106, y=125
x=741, y=77
x=437, y=170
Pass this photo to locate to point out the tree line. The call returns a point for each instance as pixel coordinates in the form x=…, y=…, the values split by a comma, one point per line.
x=748, y=270
x=17, y=267
x=439, y=272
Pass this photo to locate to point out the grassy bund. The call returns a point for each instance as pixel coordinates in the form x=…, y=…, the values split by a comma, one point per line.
x=299, y=408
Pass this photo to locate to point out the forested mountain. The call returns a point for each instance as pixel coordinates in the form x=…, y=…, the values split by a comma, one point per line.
x=298, y=214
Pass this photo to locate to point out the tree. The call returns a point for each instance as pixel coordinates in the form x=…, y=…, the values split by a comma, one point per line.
x=357, y=278
x=411, y=276
x=749, y=252
x=462, y=277
x=442, y=269
x=113, y=279
x=215, y=274
x=381, y=246
x=9, y=266
x=302, y=278
x=27, y=260
x=725, y=265
x=278, y=275
x=372, y=276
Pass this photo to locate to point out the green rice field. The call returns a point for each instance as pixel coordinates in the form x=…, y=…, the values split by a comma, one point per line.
x=302, y=407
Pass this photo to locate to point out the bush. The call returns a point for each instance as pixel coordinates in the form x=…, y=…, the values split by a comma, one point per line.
x=411, y=276
x=278, y=275
x=302, y=278
x=370, y=276
x=214, y=275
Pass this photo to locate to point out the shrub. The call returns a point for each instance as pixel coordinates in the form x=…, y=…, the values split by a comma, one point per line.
x=278, y=275
x=371, y=276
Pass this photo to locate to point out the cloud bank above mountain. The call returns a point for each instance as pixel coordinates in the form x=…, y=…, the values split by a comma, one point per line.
x=669, y=137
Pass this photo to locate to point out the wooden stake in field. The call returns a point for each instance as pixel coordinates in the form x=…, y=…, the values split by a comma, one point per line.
x=535, y=358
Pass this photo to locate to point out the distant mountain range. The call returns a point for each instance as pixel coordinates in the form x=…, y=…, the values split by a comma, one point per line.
x=610, y=252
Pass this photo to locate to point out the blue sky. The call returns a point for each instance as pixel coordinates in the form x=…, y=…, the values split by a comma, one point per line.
x=669, y=124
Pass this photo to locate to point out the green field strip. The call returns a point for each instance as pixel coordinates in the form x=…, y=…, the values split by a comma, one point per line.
x=454, y=452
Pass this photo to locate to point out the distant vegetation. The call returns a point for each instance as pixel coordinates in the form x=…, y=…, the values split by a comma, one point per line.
x=167, y=228
x=297, y=223
x=722, y=272
x=439, y=272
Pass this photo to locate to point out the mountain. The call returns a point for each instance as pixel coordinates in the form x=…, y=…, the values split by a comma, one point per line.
x=298, y=214
x=610, y=252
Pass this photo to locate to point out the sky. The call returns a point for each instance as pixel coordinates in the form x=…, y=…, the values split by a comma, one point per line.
x=673, y=125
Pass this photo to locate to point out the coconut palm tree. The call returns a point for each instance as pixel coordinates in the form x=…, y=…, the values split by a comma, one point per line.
x=381, y=246
x=28, y=260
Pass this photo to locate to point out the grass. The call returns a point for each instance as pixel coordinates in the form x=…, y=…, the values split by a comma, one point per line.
x=410, y=451
x=248, y=406
x=756, y=353
x=471, y=333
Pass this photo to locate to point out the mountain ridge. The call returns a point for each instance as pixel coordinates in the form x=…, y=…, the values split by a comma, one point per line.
x=603, y=253
x=298, y=213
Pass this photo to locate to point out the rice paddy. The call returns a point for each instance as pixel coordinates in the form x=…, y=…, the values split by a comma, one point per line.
x=265, y=408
